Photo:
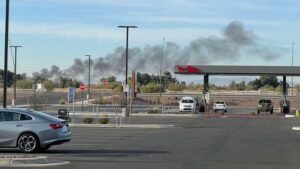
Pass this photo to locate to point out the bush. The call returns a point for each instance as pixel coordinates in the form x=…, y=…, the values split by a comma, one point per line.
x=104, y=119
x=87, y=120
x=150, y=88
x=118, y=89
x=176, y=87
x=63, y=102
x=153, y=111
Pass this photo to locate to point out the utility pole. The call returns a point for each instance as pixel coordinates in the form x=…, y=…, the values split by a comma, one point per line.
x=161, y=61
x=89, y=90
x=6, y=54
x=15, y=74
x=126, y=65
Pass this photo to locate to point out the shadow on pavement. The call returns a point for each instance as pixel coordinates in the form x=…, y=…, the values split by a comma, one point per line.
x=105, y=153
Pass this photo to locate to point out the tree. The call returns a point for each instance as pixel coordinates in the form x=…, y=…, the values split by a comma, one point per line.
x=49, y=85
x=24, y=84
x=143, y=79
x=111, y=79
x=269, y=80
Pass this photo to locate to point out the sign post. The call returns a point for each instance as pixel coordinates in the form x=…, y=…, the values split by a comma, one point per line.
x=82, y=88
x=71, y=97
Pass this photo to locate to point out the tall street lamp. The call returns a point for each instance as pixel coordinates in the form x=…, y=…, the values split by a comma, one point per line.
x=89, y=90
x=5, y=54
x=292, y=65
x=15, y=74
x=161, y=62
x=126, y=65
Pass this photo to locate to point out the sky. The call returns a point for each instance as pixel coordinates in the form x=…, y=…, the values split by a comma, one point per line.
x=56, y=32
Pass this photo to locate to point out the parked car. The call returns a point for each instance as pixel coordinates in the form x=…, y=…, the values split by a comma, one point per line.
x=284, y=106
x=187, y=104
x=265, y=105
x=31, y=131
x=220, y=105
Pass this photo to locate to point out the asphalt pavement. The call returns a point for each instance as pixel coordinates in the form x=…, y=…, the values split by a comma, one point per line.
x=196, y=142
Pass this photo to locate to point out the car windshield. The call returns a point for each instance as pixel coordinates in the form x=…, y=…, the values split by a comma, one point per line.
x=187, y=101
x=265, y=102
x=220, y=103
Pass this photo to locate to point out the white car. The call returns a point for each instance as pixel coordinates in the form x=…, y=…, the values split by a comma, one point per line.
x=187, y=104
x=220, y=105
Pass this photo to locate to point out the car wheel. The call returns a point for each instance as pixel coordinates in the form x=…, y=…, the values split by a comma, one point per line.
x=28, y=143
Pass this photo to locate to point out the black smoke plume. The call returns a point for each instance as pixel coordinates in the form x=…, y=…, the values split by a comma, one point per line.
x=235, y=43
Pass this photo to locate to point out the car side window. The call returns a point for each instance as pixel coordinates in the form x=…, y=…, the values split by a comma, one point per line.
x=10, y=116
x=1, y=118
x=25, y=117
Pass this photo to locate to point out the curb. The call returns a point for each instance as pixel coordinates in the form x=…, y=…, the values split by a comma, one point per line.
x=157, y=126
x=296, y=128
x=29, y=161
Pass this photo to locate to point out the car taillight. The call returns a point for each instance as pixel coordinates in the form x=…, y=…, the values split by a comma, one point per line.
x=55, y=126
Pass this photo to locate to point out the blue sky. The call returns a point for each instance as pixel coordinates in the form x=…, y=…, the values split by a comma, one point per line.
x=55, y=32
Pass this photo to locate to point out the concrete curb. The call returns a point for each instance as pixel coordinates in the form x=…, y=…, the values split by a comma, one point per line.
x=289, y=116
x=296, y=128
x=158, y=126
x=28, y=161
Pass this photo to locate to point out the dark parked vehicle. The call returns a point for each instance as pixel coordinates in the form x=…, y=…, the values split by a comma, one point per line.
x=284, y=106
x=31, y=131
x=265, y=105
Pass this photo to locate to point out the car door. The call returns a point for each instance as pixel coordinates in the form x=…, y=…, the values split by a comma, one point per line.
x=9, y=128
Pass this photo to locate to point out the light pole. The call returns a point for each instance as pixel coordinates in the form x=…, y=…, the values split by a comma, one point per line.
x=161, y=61
x=292, y=66
x=15, y=74
x=126, y=65
x=89, y=91
x=6, y=54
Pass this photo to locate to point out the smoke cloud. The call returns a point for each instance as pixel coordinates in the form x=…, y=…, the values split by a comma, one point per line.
x=235, y=43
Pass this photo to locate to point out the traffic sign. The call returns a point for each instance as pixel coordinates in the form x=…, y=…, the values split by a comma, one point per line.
x=105, y=82
x=82, y=87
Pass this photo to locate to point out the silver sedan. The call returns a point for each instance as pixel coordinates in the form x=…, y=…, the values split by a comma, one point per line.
x=31, y=131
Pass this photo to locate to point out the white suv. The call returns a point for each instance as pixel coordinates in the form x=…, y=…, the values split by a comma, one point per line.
x=220, y=105
x=187, y=104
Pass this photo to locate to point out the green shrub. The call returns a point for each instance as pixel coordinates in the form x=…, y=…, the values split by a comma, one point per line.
x=176, y=87
x=104, y=119
x=153, y=111
x=63, y=102
x=87, y=120
x=150, y=88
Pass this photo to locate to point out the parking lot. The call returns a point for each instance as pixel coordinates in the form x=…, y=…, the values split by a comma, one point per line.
x=195, y=142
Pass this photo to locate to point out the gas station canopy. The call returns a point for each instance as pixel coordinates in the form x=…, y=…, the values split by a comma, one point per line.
x=237, y=70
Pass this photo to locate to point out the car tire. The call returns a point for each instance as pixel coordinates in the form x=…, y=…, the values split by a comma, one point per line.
x=28, y=143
